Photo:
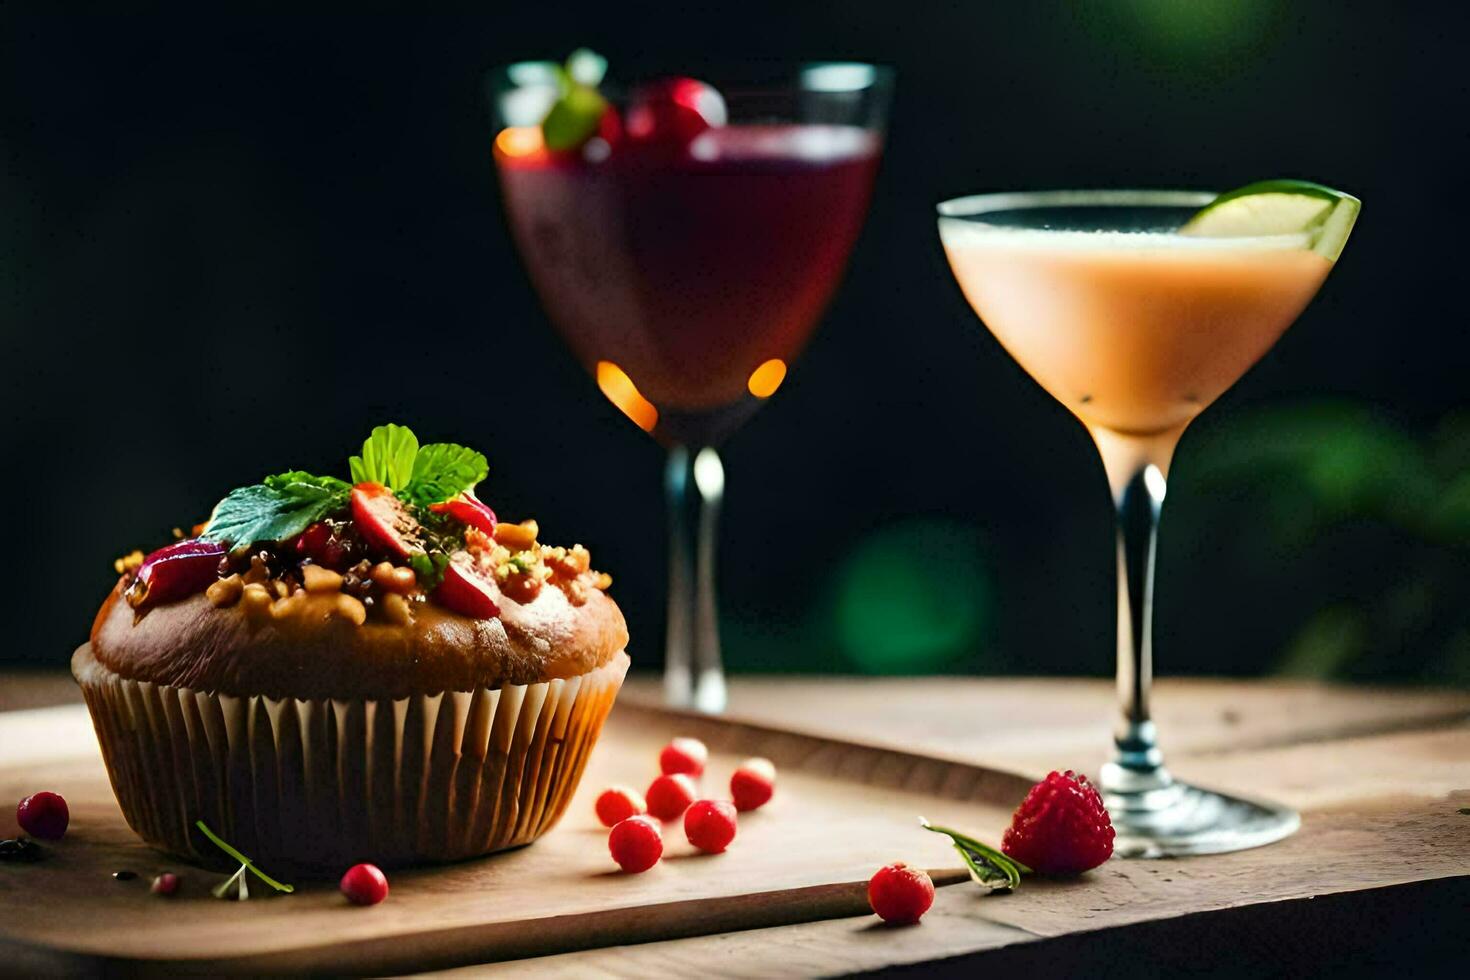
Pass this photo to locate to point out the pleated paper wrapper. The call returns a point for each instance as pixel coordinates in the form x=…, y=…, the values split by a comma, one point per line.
x=326, y=784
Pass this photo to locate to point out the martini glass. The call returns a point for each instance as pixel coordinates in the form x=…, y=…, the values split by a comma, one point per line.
x=1136, y=329
x=687, y=279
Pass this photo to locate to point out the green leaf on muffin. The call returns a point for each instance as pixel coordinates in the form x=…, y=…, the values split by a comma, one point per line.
x=428, y=474
x=284, y=505
x=387, y=457
x=443, y=470
x=280, y=508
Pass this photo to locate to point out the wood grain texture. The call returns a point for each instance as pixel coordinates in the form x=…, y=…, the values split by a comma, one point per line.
x=1398, y=930
x=839, y=813
x=1380, y=774
x=1032, y=725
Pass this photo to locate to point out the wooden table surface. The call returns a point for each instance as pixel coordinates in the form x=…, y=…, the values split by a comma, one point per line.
x=1378, y=877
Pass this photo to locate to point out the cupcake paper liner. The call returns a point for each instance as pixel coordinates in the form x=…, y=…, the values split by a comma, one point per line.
x=325, y=784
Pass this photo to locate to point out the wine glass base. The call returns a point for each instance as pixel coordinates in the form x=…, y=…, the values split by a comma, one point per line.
x=1184, y=819
x=707, y=694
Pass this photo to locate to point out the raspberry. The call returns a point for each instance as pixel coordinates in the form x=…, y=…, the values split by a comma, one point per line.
x=900, y=894
x=710, y=825
x=687, y=755
x=636, y=844
x=43, y=815
x=618, y=803
x=364, y=884
x=1061, y=827
x=670, y=795
x=753, y=783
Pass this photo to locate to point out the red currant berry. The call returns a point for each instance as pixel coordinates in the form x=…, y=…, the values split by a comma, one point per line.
x=687, y=755
x=710, y=825
x=165, y=884
x=618, y=804
x=364, y=884
x=670, y=795
x=43, y=815
x=636, y=844
x=900, y=894
x=671, y=112
x=753, y=784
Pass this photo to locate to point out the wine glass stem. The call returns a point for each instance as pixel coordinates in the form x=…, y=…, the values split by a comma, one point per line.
x=1137, y=769
x=695, y=486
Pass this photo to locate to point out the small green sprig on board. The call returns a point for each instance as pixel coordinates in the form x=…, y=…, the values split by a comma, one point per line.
x=989, y=868
x=235, y=886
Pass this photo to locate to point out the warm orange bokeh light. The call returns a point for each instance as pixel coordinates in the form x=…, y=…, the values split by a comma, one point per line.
x=621, y=391
x=519, y=141
x=767, y=378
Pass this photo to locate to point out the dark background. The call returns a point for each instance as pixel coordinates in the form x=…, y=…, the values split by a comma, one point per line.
x=233, y=244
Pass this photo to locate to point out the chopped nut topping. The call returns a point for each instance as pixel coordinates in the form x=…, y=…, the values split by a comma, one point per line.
x=397, y=609
x=567, y=563
x=287, y=607
x=128, y=563
x=320, y=581
x=517, y=537
x=256, y=601
x=351, y=609
x=391, y=578
x=226, y=592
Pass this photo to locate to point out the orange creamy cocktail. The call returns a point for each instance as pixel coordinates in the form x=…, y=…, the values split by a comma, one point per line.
x=1135, y=332
x=1136, y=310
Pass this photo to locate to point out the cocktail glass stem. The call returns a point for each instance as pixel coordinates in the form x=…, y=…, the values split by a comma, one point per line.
x=1155, y=814
x=1136, y=778
x=695, y=486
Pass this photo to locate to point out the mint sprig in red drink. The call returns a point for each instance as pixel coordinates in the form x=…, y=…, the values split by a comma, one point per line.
x=685, y=238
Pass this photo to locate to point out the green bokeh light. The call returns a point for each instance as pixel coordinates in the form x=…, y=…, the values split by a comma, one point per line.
x=1192, y=37
x=913, y=597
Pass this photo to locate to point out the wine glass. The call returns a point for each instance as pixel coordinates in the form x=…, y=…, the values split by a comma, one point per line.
x=1136, y=328
x=686, y=274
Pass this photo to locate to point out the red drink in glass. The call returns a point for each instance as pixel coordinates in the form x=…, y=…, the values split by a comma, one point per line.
x=687, y=281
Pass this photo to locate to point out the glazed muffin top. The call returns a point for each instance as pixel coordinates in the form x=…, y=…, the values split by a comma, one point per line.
x=402, y=582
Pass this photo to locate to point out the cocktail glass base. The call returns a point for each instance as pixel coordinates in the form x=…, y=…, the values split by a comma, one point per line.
x=1179, y=819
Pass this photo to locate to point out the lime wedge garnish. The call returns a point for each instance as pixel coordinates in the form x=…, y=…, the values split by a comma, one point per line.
x=1280, y=207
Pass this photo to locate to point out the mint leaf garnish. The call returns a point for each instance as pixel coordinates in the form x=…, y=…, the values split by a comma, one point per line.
x=309, y=482
x=575, y=116
x=276, y=510
x=387, y=457
x=573, y=119
x=989, y=868
x=245, y=864
x=283, y=505
x=442, y=470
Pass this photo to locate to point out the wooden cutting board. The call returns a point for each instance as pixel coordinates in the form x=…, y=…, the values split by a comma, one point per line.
x=841, y=810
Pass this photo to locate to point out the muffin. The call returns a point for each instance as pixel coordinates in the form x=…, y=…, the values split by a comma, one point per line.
x=330, y=672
